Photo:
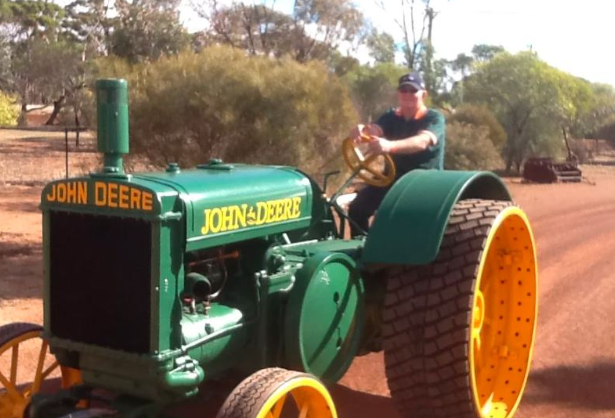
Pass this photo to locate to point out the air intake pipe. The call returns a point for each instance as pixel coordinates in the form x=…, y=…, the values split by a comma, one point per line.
x=112, y=113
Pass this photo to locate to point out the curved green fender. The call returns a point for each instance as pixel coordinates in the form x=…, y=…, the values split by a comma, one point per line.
x=411, y=220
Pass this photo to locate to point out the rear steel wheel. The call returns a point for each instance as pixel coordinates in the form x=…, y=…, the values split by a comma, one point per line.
x=459, y=333
x=279, y=393
x=25, y=365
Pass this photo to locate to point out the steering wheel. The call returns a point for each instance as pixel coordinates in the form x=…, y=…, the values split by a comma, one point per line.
x=375, y=169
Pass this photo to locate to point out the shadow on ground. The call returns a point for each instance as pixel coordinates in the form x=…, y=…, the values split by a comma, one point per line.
x=587, y=387
x=39, y=144
x=19, y=206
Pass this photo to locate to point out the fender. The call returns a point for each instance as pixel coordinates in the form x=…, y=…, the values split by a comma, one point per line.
x=410, y=223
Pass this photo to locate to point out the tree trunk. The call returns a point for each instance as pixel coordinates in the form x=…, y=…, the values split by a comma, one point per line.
x=57, y=106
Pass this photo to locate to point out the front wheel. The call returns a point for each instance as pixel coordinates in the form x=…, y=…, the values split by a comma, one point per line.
x=459, y=333
x=25, y=366
x=276, y=393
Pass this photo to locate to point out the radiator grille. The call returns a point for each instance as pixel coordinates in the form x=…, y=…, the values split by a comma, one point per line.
x=100, y=269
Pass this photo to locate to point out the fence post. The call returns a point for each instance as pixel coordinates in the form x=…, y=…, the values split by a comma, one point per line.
x=66, y=142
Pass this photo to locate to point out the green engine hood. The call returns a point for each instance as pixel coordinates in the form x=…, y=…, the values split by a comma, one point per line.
x=228, y=203
x=218, y=203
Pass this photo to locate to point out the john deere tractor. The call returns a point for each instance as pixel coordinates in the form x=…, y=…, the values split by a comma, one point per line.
x=155, y=283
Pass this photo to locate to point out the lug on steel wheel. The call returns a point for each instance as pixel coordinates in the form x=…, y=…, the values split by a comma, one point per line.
x=25, y=366
x=279, y=393
x=459, y=333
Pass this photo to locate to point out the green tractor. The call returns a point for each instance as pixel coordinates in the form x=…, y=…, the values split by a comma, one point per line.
x=155, y=283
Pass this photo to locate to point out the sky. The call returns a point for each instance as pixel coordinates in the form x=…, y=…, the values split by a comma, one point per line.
x=572, y=35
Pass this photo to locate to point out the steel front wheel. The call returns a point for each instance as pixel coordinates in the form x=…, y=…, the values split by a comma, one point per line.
x=25, y=366
x=459, y=333
x=279, y=393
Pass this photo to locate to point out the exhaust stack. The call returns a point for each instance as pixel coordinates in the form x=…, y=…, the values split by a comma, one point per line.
x=112, y=112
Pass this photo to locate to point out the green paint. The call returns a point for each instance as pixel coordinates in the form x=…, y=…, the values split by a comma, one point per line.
x=411, y=220
x=301, y=303
x=112, y=112
x=325, y=316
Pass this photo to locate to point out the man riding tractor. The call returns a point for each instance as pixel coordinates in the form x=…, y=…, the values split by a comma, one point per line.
x=412, y=134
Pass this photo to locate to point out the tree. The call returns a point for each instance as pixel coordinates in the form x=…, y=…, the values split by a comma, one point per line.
x=481, y=117
x=484, y=52
x=382, y=46
x=374, y=88
x=342, y=64
x=462, y=64
x=22, y=20
x=147, y=30
x=524, y=93
x=315, y=29
x=89, y=23
x=54, y=70
x=23, y=23
x=416, y=25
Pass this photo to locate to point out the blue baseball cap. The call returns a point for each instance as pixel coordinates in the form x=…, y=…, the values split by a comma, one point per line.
x=411, y=79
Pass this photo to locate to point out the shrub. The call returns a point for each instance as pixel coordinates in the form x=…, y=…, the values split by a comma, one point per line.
x=481, y=116
x=468, y=147
x=9, y=111
x=222, y=103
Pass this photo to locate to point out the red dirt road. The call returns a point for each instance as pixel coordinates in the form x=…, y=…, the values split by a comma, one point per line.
x=573, y=374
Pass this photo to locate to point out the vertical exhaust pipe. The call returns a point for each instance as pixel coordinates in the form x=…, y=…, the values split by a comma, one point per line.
x=112, y=112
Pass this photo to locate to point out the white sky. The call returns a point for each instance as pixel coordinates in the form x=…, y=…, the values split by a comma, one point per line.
x=574, y=36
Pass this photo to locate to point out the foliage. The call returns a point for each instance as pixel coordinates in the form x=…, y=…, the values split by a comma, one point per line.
x=606, y=131
x=415, y=37
x=525, y=95
x=382, y=46
x=223, y=103
x=89, y=22
x=468, y=147
x=481, y=116
x=26, y=19
x=147, y=30
x=341, y=65
x=9, y=111
x=315, y=29
x=485, y=52
x=374, y=88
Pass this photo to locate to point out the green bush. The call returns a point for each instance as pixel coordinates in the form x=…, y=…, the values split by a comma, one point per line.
x=481, y=116
x=222, y=103
x=9, y=111
x=469, y=147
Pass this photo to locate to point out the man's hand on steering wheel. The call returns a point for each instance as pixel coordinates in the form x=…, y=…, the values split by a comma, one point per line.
x=367, y=154
x=361, y=132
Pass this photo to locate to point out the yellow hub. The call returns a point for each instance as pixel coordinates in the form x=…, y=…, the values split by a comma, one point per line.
x=504, y=316
x=303, y=397
x=25, y=363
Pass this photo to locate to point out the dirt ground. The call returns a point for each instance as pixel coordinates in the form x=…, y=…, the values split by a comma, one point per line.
x=573, y=373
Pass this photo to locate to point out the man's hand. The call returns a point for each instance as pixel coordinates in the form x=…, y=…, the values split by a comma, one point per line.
x=380, y=145
x=369, y=130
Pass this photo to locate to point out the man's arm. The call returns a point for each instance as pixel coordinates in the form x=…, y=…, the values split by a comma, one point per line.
x=422, y=141
x=411, y=145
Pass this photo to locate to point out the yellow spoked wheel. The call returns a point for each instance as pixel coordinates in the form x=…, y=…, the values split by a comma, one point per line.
x=459, y=333
x=279, y=393
x=375, y=169
x=25, y=367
